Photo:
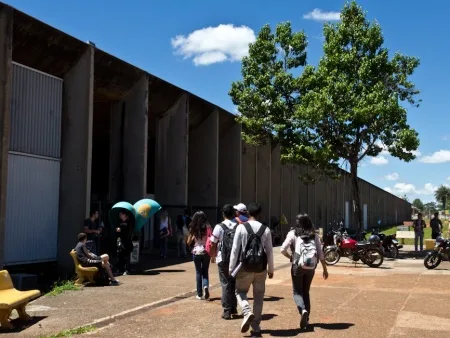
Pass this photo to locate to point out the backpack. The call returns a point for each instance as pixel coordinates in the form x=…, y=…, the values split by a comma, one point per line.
x=227, y=242
x=254, y=258
x=305, y=254
x=208, y=244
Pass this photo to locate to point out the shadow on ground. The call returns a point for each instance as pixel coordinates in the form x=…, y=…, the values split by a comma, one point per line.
x=20, y=325
x=295, y=332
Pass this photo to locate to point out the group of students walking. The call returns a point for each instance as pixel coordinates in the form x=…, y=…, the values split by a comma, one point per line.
x=241, y=246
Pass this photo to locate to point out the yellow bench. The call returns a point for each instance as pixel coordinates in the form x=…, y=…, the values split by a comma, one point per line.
x=84, y=274
x=12, y=299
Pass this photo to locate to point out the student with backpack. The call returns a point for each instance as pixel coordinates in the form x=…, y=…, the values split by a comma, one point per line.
x=200, y=239
x=306, y=250
x=251, y=261
x=222, y=243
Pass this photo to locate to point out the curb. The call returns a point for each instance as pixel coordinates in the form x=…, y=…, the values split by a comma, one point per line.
x=102, y=322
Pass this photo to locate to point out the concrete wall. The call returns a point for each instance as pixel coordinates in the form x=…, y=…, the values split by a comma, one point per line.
x=275, y=184
x=6, y=26
x=76, y=151
x=264, y=180
x=248, y=174
x=135, y=141
x=230, y=166
x=203, y=166
x=172, y=144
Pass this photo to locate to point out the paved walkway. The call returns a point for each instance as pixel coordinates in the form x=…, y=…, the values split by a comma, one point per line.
x=400, y=298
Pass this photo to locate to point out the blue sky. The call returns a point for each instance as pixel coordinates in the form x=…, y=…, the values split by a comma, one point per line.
x=206, y=61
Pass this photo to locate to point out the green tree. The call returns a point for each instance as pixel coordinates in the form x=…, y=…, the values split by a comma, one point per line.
x=430, y=208
x=418, y=204
x=340, y=110
x=442, y=195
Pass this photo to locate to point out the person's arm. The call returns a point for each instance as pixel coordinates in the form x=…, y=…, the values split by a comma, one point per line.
x=92, y=258
x=269, y=252
x=190, y=239
x=321, y=257
x=215, y=237
x=236, y=249
x=290, y=239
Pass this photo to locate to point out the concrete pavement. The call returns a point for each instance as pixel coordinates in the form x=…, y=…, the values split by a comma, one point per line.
x=400, y=298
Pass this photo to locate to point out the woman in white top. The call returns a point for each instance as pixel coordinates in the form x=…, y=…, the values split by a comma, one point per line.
x=302, y=278
x=198, y=236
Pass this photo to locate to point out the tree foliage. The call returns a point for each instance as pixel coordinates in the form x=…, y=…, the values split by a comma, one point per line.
x=442, y=195
x=418, y=204
x=430, y=207
x=346, y=108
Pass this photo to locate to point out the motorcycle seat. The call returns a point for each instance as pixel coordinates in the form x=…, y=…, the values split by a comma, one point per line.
x=362, y=244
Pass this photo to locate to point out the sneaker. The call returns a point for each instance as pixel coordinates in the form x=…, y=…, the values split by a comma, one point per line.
x=234, y=311
x=304, y=319
x=248, y=319
x=206, y=291
x=114, y=283
x=226, y=315
x=198, y=297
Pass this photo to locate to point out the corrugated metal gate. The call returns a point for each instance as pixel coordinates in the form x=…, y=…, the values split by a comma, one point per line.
x=33, y=167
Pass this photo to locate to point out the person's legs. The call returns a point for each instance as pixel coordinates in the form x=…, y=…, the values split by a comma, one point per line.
x=434, y=235
x=421, y=241
x=243, y=281
x=107, y=268
x=297, y=288
x=205, y=274
x=259, y=288
x=307, y=280
x=179, y=238
x=198, y=274
x=227, y=294
x=416, y=240
x=183, y=246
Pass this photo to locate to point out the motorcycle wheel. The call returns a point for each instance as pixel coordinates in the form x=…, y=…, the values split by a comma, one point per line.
x=332, y=257
x=373, y=258
x=392, y=253
x=432, y=260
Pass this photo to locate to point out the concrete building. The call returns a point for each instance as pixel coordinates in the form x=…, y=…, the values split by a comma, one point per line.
x=79, y=126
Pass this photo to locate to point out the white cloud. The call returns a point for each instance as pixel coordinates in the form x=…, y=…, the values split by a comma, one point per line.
x=211, y=45
x=384, y=149
x=409, y=189
x=392, y=177
x=445, y=138
x=441, y=156
x=379, y=160
x=448, y=178
x=319, y=15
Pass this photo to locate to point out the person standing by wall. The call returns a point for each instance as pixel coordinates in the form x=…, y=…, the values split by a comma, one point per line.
x=436, y=226
x=124, y=244
x=418, y=226
x=181, y=236
x=92, y=230
x=165, y=230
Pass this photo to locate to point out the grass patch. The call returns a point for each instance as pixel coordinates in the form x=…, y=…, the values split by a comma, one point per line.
x=427, y=231
x=71, y=332
x=63, y=286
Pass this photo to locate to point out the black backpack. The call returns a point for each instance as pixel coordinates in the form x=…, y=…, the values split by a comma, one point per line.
x=227, y=242
x=254, y=258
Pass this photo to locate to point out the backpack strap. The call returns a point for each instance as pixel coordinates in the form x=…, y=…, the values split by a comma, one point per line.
x=261, y=230
x=248, y=228
x=223, y=226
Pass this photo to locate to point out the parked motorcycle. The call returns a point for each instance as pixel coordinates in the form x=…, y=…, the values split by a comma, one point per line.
x=368, y=252
x=389, y=243
x=441, y=252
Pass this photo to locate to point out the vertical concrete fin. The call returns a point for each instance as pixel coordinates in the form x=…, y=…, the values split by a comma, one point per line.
x=275, y=184
x=171, y=156
x=136, y=141
x=263, y=179
x=6, y=32
x=76, y=153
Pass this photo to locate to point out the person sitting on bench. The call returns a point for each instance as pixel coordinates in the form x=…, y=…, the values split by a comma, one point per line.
x=87, y=258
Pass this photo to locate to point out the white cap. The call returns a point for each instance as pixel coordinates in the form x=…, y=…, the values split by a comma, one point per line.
x=240, y=207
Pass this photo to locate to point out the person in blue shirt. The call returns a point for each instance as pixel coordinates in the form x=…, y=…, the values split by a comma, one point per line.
x=241, y=213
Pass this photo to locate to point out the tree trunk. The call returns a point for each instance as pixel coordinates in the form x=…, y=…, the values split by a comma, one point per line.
x=355, y=193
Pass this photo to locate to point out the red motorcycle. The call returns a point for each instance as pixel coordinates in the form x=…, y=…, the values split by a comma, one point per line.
x=369, y=252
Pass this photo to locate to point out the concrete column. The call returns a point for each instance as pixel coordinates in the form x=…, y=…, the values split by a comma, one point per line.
x=115, y=169
x=204, y=166
x=248, y=178
x=76, y=153
x=230, y=166
x=172, y=144
x=295, y=192
x=263, y=179
x=6, y=29
x=286, y=191
x=275, y=185
x=135, y=142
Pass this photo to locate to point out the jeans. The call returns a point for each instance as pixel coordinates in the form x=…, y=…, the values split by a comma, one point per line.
x=201, y=269
x=434, y=235
x=181, y=244
x=244, y=280
x=229, y=301
x=418, y=237
x=163, y=247
x=301, y=283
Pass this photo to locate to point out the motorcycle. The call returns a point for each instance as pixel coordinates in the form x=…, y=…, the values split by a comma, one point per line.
x=368, y=252
x=441, y=252
x=389, y=243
